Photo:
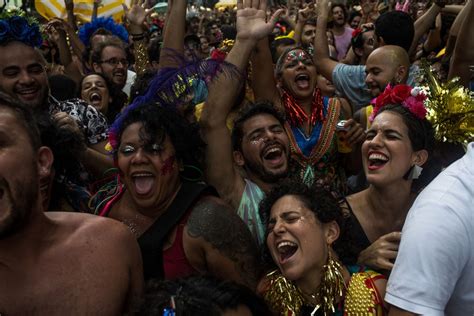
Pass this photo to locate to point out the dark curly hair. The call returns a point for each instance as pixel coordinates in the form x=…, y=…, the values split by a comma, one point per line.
x=200, y=295
x=317, y=199
x=421, y=135
x=159, y=122
x=246, y=113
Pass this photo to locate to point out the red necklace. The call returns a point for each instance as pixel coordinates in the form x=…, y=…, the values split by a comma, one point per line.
x=297, y=116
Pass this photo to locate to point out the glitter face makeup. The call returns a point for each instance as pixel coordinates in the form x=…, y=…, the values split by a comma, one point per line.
x=297, y=55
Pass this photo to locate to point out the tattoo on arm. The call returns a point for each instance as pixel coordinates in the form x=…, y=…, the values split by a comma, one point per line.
x=227, y=233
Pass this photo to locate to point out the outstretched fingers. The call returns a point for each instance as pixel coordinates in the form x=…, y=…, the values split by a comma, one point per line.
x=276, y=16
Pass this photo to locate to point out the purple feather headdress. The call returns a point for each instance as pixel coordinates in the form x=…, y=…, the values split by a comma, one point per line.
x=171, y=87
x=86, y=31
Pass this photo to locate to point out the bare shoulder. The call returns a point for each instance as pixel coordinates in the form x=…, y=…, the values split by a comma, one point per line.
x=84, y=228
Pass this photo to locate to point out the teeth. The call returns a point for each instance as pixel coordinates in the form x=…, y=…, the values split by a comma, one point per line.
x=273, y=150
x=378, y=157
x=285, y=244
x=142, y=175
x=27, y=91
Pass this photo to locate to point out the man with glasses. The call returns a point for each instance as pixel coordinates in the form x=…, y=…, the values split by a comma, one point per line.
x=110, y=59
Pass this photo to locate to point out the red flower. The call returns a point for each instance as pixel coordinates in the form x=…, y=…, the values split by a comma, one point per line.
x=356, y=32
x=400, y=93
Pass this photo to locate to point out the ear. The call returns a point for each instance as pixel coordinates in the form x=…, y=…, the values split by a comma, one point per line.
x=331, y=231
x=97, y=67
x=45, y=161
x=402, y=72
x=239, y=158
x=420, y=157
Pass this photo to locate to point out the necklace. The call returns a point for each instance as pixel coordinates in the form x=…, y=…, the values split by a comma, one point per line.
x=297, y=116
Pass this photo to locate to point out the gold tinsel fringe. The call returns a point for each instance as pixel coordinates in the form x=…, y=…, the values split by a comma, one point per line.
x=450, y=108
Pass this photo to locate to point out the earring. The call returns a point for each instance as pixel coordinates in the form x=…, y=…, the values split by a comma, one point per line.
x=332, y=285
x=413, y=173
x=191, y=173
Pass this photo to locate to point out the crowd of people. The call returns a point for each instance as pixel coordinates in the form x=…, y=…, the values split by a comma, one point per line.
x=306, y=158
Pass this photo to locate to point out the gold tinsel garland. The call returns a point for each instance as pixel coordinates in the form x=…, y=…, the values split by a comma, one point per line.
x=450, y=108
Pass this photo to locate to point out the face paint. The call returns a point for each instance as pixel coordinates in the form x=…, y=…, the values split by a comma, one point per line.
x=257, y=141
x=168, y=165
x=296, y=56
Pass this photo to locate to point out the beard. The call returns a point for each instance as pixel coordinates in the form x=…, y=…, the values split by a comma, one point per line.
x=18, y=205
x=263, y=174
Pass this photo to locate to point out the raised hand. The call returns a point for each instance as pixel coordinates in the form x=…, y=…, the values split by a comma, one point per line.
x=306, y=13
x=322, y=8
x=251, y=23
x=137, y=13
x=382, y=253
x=369, y=6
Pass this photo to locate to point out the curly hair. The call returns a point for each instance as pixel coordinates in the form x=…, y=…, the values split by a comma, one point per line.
x=159, y=122
x=319, y=201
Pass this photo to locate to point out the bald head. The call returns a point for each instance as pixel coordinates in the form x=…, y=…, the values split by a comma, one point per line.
x=393, y=55
x=386, y=64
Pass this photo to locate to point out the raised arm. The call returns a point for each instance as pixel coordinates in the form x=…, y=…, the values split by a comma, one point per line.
x=136, y=17
x=463, y=56
x=221, y=173
x=324, y=64
x=423, y=23
x=71, y=19
x=263, y=80
x=303, y=15
x=173, y=37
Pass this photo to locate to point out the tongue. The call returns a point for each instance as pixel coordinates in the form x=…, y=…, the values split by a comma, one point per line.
x=302, y=84
x=143, y=185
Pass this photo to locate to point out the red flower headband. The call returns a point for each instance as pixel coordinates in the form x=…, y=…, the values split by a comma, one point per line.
x=411, y=98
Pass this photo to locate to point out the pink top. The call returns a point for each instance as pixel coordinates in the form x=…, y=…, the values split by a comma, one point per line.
x=343, y=42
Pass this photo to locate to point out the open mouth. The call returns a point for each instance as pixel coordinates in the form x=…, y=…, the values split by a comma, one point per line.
x=377, y=161
x=28, y=93
x=302, y=81
x=95, y=98
x=273, y=154
x=286, y=250
x=143, y=182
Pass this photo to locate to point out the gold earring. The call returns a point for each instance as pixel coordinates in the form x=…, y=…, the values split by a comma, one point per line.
x=332, y=284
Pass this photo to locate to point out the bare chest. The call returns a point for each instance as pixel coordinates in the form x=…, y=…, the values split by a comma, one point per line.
x=68, y=287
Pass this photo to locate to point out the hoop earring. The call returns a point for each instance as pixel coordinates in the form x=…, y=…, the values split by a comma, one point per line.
x=187, y=173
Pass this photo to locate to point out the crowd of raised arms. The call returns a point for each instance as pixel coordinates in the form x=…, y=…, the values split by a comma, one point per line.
x=246, y=158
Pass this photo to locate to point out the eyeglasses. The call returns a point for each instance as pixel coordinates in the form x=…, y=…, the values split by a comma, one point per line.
x=114, y=62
